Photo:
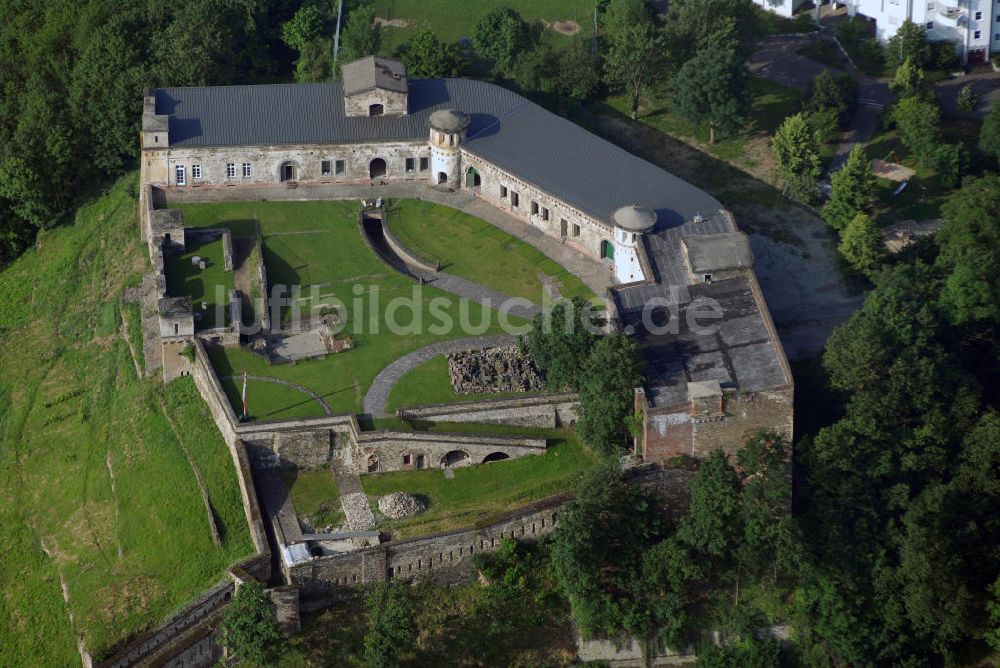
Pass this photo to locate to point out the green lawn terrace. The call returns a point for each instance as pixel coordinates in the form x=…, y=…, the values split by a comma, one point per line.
x=208, y=288
x=430, y=383
x=315, y=498
x=318, y=247
x=477, y=492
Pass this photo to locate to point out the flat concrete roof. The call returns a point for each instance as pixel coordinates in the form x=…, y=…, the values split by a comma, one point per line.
x=718, y=252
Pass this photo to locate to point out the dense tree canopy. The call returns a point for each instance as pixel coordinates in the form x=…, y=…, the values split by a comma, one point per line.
x=852, y=190
x=713, y=91
x=796, y=151
x=250, y=627
x=630, y=59
x=427, y=57
x=501, y=36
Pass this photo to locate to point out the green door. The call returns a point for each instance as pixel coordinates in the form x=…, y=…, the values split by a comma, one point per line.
x=471, y=178
x=607, y=251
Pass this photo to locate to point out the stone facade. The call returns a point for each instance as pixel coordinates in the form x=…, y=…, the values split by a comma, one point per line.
x=379, y=451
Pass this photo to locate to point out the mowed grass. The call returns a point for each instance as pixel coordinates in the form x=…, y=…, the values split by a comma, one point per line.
x=430, y=383
x=770, y=104
x=476, y=492
x=478, y=251
x=385, y=314
x=270, y=401
x=90, y=469
x=315, y=497
x=210, y=285
x=452, y=19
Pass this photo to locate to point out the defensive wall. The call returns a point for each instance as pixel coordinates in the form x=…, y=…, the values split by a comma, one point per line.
x=409, y=450
x=547, y=411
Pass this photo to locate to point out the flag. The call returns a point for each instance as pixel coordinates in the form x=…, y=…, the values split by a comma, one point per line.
x=244, y=395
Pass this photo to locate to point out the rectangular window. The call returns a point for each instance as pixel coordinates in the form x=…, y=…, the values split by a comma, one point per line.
x=503, y=192
x=230, y=170
x=424, y=164
x=247, y=170
x=534, y=208
x=979, y=16
x=325, y=167
x=576, y=230
x=195, y=172
x=409, y=165
x=181, y=176
x=930, y=25
x=976, y=34
x=340, y=166
x=406, y=460
x=514, y=199
x=545, y=213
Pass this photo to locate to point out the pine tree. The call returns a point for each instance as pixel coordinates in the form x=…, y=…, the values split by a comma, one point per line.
x=861, y=244
x=909, y=81
x=797, y=151
x=852, y=189
x=713, y=91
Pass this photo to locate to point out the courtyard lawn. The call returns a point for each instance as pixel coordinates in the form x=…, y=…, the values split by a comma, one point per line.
x=315, y=497
x=478, y=251
x=476, y=492
x=210, y=286
x=429, y=383
x=770, y=104
x=454, y=19
x=329, y=250
x=97, y=489
x=271, y=401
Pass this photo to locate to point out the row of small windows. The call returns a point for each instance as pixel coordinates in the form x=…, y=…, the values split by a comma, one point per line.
x=198, y=174
x=537, y=210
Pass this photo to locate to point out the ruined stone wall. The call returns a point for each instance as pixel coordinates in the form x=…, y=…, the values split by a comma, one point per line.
x=306, y=443
x=547, y=411
x=591, y=230
x=266, y=163
x=745, y=414
x=389, y=448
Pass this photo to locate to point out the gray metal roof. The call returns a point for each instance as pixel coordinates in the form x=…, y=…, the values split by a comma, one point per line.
x=372, y=72
x=513, y=133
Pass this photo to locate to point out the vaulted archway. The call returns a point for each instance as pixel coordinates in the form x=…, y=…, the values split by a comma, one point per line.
x=376, y=168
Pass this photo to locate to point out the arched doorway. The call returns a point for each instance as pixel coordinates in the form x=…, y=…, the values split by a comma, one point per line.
x=455, y=458
x=442, y=178
x=376, y=168
x=607, y=250
x=495, y=457
x=372, y=463
x=289, y=172
x=375, y=110
x=472, y=178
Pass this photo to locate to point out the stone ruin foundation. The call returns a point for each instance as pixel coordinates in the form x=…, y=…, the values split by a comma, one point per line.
x=501, y=369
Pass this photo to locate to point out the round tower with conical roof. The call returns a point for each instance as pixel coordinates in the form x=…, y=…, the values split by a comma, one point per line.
x=448, y=128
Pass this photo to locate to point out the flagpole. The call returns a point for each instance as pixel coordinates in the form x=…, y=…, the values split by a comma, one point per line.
x=244, y=394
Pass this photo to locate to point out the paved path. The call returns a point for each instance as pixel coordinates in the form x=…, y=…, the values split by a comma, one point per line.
x=378, y=394
x=353, y=500
x=304, y=390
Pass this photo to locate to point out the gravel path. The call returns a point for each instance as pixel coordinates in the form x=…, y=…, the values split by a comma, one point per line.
x=295, y=386
x=378, y=393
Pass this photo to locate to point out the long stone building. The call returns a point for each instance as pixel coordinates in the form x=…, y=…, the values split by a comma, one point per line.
x=664, y=241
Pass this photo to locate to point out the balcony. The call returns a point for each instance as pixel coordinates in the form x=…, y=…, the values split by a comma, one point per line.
x=952, y=17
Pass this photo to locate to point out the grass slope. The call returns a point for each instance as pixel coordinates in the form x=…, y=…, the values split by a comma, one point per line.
x=473, y=249
x=478, y=491
x=319, y=244
x=89, y=465
x=315, y=497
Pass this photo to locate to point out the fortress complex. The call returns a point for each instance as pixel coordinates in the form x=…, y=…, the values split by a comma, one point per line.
x=664, y=241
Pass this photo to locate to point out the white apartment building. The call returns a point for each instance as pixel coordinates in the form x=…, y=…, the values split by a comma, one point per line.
x=973, y=25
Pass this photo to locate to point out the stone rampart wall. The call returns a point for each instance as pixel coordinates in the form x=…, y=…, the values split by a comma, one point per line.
x=548, y=411
x=403, y=252
x=402, y=451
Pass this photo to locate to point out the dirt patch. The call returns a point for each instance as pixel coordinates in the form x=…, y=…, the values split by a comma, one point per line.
x=566, y=27
x=392, y=23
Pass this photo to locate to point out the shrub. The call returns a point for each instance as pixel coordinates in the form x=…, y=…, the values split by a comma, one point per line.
x=951, y=161
x=967, y=99
x=824, y=125
x=943, y=56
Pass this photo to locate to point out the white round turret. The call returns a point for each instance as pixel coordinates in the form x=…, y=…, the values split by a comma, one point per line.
x=631, y=222
x=448, y=128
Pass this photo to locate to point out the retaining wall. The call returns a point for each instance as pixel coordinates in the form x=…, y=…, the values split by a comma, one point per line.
x=399, y=450
x=445, y=557
x=548, y=411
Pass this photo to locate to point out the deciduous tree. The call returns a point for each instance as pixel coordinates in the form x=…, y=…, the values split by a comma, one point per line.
x=852, y=188
x=919, y=128
x=250, y=626
x=612, y=372
x=862, y=245
x=796, y=151
x=630, y=57
x=427, y=57
x=501, y=36
x=360, y=37
x=391, y=627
